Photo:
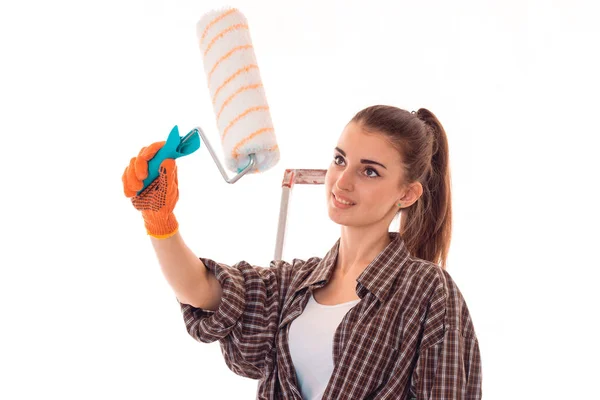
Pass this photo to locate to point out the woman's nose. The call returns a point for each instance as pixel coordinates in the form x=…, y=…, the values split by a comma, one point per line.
x=344, y=181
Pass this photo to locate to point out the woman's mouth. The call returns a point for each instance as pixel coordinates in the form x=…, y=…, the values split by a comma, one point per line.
x=341, y=203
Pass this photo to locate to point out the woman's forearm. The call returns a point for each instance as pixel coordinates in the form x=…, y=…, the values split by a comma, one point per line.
x=186, y=274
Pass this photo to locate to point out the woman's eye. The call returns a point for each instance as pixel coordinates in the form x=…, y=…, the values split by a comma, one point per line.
x=367, y=170
x=375, y=173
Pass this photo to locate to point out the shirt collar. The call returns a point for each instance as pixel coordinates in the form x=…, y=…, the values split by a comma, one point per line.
x=379, y=275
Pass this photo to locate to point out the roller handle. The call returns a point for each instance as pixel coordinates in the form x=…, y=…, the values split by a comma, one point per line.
x=174, y=147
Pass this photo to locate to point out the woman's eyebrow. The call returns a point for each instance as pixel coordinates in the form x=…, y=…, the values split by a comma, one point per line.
x=363, y=161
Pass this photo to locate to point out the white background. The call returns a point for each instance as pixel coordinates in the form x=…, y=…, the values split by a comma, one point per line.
x=85, y=310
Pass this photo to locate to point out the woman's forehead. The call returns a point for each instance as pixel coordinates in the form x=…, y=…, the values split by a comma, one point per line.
x=355, y=142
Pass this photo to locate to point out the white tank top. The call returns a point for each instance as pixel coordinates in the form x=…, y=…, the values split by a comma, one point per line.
x=311, y=345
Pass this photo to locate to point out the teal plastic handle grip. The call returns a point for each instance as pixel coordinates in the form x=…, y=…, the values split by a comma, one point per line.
x=174, y=147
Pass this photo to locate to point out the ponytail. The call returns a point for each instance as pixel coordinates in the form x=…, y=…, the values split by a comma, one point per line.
x=426, y=226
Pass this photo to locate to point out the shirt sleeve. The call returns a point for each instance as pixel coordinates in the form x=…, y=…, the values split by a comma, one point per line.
x=247, y=319
x=448, y=365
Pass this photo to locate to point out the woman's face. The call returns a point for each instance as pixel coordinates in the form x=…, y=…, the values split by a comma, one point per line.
x=366, y=171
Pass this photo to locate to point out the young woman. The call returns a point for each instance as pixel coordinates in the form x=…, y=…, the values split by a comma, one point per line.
x=378, y=316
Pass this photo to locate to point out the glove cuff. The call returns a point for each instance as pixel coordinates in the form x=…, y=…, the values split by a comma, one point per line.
x=163, y=228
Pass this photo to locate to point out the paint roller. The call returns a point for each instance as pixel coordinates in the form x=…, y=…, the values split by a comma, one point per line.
x=238, y=98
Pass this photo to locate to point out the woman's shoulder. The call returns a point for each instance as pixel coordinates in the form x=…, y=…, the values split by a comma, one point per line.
x=294, y=271
x=296, y=266
x=438, y=279
x=443, y=295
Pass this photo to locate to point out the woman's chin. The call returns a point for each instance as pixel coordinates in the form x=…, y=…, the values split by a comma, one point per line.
x=338, y=217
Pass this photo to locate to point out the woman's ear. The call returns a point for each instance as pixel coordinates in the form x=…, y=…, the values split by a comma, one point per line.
x=412, y=194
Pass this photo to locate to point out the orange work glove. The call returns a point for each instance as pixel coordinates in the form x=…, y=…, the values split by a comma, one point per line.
x=158, y=200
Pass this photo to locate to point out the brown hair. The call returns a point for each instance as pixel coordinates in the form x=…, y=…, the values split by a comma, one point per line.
x=426, y=226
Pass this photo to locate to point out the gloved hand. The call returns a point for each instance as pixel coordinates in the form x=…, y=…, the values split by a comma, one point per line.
x=158, y=200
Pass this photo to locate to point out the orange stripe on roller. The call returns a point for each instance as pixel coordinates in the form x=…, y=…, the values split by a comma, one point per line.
x=232, y=77
x=247, y=46
x=214, y=21
x=242, y=115
x=223, y=33
x=240, y=90
x=234, y=152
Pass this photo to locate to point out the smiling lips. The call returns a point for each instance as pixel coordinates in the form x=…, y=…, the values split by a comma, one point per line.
x=342, y=200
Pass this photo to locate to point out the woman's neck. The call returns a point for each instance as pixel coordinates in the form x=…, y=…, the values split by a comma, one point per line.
x=358, y=247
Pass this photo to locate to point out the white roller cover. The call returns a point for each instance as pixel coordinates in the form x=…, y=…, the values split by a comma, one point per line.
x=236, y=89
